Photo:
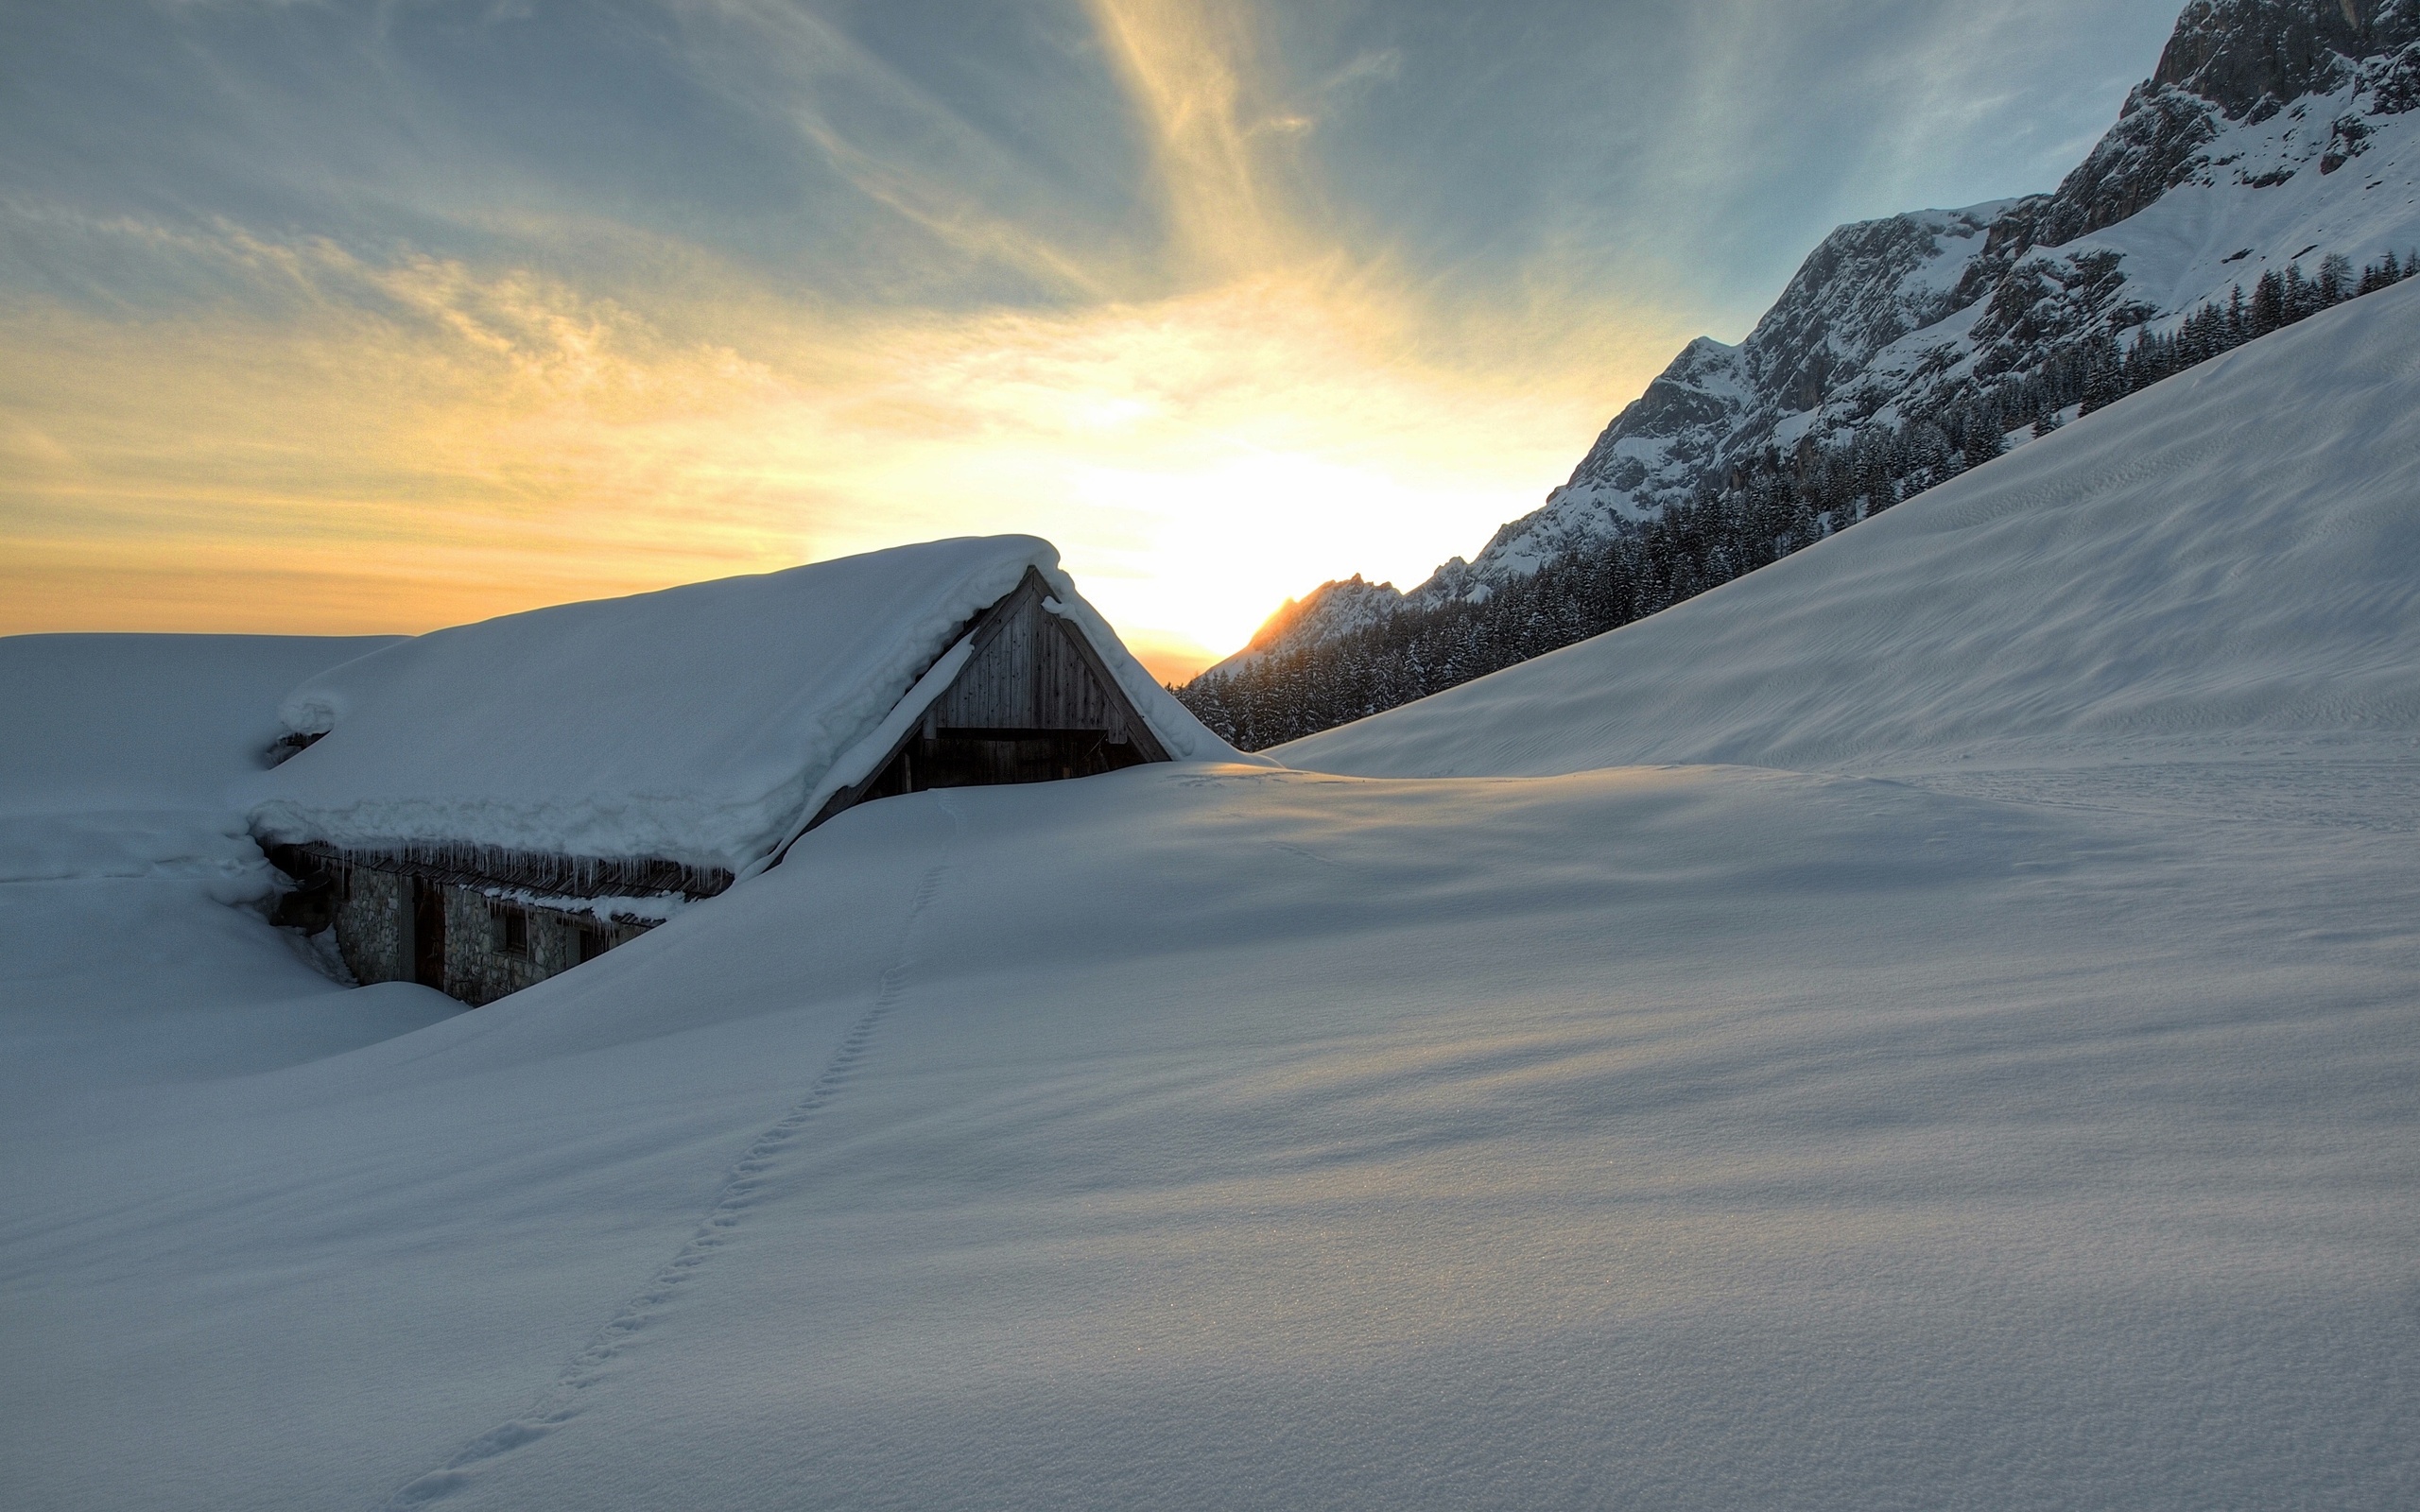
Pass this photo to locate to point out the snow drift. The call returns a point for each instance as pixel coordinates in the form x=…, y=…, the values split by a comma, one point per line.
x=117, y=751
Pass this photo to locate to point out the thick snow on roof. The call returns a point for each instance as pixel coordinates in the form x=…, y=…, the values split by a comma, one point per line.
x=2230, y=555
x=705, y=724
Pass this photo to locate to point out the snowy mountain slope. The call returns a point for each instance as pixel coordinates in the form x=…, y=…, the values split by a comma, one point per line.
x=2273, y=133
x=2232, y=554
x=2223, y=164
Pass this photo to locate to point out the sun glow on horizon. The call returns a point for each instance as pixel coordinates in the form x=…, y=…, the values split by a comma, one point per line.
x=400, y=444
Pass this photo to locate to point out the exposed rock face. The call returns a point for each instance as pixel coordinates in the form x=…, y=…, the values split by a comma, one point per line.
x=1865, y=288
x=2249, y=58
x=2157, y=144
x=2228, y=60
x=2221, y=165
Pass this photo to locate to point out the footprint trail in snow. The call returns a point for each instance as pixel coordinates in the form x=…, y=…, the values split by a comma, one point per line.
x=747, y=1176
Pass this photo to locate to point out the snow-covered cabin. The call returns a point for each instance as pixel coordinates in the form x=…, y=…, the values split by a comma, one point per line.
x=482, y=807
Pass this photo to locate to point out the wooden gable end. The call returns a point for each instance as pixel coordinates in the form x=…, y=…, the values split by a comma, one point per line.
x=1034, y=703
x=1032, y=670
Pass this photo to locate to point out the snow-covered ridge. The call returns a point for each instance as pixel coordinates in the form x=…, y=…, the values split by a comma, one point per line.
x=2273, y=133
x=702, y=723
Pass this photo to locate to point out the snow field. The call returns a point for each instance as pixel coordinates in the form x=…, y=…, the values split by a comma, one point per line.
x=1930, y=1023
x=1698, y=1136
x=1243, y=1138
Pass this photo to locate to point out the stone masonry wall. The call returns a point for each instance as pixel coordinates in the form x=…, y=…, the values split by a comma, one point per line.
x=482, y=966
x=373, y=924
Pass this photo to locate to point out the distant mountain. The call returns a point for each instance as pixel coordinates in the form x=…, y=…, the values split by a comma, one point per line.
x=1326, y=613
x=2278, y=139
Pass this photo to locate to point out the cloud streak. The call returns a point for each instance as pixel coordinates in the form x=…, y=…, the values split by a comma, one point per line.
x=440, y=440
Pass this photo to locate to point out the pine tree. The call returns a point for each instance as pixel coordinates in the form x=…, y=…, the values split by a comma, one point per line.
x=2268, y=304
x=2335, y=278
x=2296, y=299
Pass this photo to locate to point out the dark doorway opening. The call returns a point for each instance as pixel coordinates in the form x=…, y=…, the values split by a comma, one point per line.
x=428, y=932
x=977, y=758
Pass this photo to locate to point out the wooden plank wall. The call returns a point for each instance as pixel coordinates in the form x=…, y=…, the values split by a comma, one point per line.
x=480, y=866
x=1028, y=674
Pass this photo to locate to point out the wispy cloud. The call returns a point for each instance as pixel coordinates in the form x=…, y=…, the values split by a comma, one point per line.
x=1218, y=144
x=440, y=440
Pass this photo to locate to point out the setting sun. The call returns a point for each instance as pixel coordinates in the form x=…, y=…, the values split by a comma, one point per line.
x=352, y=441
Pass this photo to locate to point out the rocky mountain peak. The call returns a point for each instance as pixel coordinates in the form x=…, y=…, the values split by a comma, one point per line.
x=1859, y=290
x=2228, y=61
x=1335, y=607
x=2250, y=57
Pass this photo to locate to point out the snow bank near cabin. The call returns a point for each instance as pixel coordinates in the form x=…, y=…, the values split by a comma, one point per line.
x=117, y=751
x=2231, y=556
x=705, y=724
x=114, y=722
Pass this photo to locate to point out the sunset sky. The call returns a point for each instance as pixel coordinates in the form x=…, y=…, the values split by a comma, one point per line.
x=327, y=317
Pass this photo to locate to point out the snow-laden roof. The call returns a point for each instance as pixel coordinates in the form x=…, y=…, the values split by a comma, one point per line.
x=702, y=723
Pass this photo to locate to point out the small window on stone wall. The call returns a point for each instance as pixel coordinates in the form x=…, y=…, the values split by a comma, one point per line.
x=509, y=928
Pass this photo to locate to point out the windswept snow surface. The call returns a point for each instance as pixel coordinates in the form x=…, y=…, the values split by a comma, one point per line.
x=117, y=751
x=705, y=723
x=2031, y=1126
x=119, y=853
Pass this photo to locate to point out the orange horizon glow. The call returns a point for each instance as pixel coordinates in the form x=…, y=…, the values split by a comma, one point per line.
x=1203, y=440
